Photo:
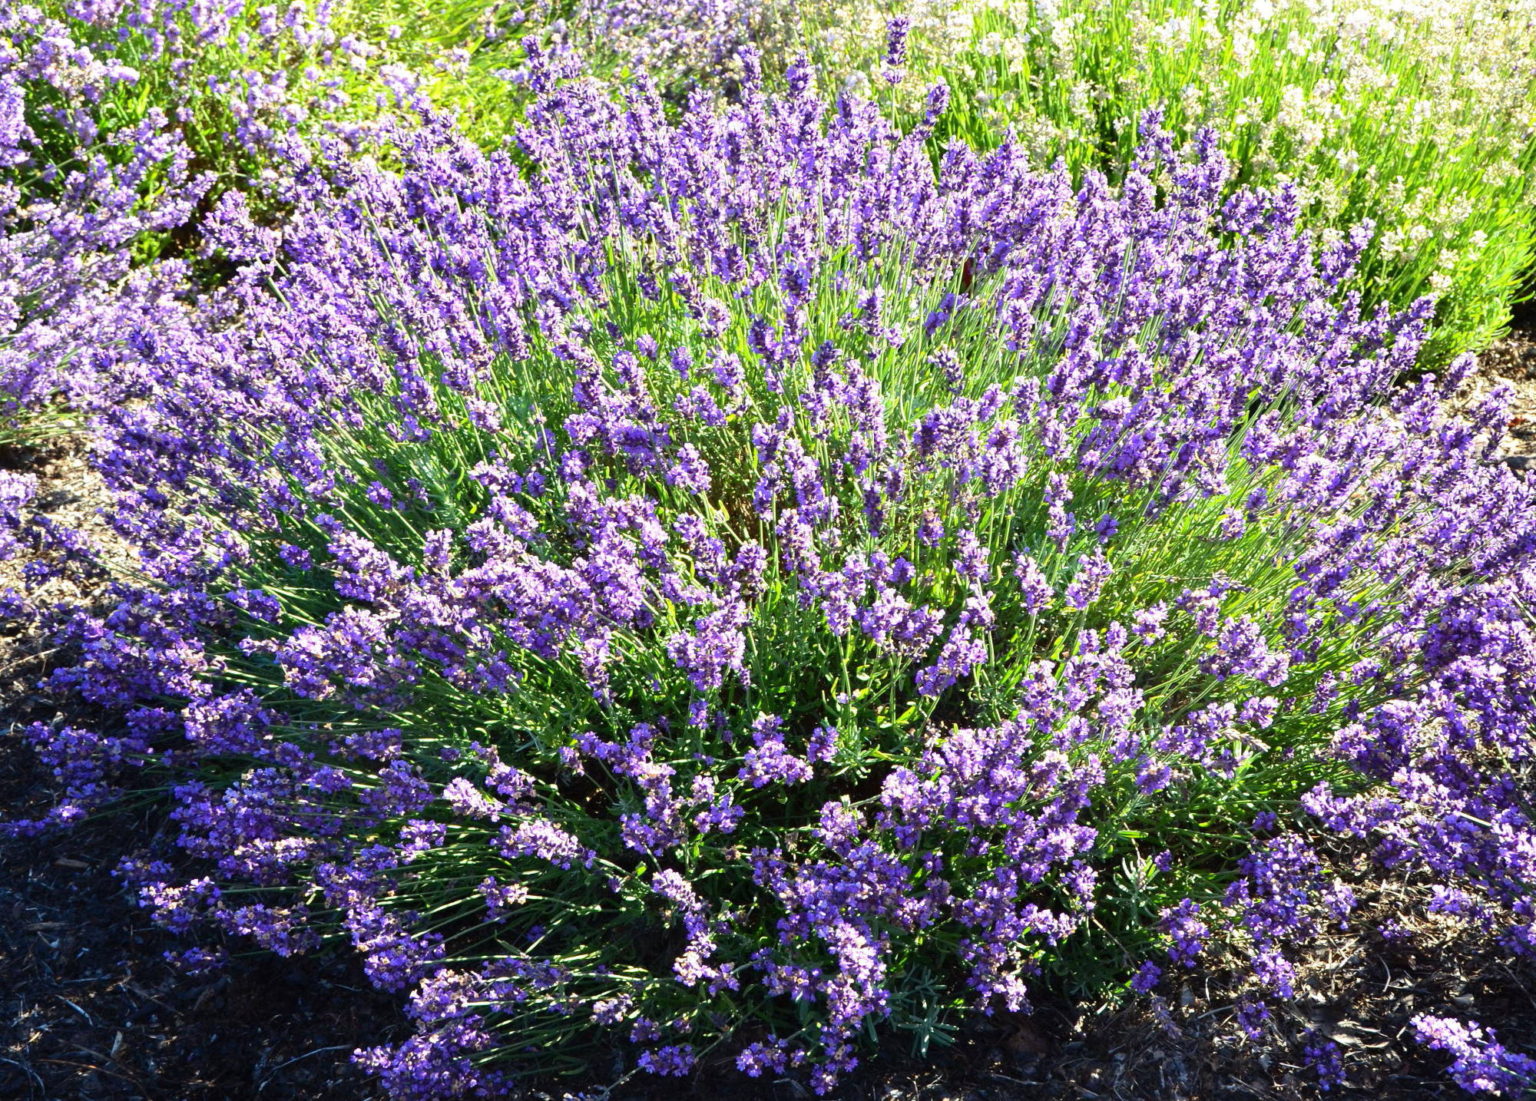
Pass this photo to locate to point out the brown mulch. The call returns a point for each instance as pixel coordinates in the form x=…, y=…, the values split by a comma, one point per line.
x=1513, y=361
x=90, y=1010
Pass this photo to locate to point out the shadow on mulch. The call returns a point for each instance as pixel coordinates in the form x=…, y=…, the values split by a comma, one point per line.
x=90, y=1010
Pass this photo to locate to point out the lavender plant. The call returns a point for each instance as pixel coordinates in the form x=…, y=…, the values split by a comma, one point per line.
x=688, y=47
x=66, y=274
x=118, y=125
x=469, y=58
x=1418, y=116
x=742, y=590
x=237, y=80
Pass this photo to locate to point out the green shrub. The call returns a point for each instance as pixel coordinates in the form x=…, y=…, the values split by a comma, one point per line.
x=1418, y=117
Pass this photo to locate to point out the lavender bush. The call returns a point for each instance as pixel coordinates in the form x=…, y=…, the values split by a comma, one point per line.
x=1420, y=116
x=236, y=79
x=474, y=52
x=742, y=591
x=67, y=279
x=119, y=123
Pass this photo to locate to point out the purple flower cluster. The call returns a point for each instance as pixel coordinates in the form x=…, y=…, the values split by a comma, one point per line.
x=688, y=591
x=66, y=283
x=1482, y=1064
x=90, y=177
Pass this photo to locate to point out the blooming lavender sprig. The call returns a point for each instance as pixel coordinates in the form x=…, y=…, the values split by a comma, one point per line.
x=896, y=48
x=706, y=588
x=1482, y=1064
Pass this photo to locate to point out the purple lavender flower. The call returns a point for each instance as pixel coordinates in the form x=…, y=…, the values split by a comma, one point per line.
x=896, y=41
x=1482, y=1065
x=1325, y=1059
x=1182, y=923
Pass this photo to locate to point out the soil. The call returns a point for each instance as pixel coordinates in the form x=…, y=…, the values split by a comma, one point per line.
x=90, y=1010
x=1512, y=361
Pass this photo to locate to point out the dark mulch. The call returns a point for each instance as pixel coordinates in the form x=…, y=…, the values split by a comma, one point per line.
x=90, y=1011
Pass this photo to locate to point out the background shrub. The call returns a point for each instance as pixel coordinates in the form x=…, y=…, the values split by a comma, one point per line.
x=120, y=124
x=1418, y=117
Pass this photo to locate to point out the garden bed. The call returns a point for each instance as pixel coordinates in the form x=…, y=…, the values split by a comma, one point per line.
x=756, y=563
x=95, y=1012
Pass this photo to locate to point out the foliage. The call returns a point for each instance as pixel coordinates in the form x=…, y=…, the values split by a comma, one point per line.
x=1416, y=116
x=739, y=590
